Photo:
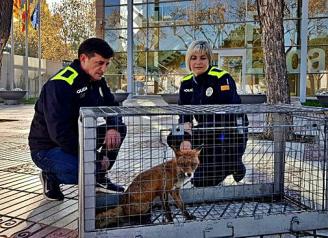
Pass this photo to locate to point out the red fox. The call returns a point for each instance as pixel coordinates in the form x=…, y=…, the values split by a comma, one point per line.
x=159, y=181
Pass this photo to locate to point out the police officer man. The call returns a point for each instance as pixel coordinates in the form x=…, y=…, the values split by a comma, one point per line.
x=222, y=149
x=53, y=137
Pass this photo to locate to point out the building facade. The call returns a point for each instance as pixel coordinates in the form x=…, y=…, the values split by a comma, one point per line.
x=161, y=31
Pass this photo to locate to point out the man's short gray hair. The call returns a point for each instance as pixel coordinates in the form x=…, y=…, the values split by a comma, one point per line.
x=198, y=46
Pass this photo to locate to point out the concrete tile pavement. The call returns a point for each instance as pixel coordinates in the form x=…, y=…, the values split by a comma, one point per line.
x=23, y=211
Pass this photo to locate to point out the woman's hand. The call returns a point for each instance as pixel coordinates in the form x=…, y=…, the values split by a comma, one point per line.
x=112, y=139
x=185, y=145
x=187, y=127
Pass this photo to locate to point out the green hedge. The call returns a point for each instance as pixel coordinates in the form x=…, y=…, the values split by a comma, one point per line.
x=313, y=103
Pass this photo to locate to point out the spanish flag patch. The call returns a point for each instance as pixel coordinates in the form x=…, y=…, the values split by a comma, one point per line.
x=225, y=87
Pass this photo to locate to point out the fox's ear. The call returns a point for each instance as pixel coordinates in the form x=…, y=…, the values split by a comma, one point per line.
x=199, y=148
x=197, y=151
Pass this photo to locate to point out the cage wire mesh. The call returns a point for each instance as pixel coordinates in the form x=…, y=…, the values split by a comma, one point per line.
x=262, y=170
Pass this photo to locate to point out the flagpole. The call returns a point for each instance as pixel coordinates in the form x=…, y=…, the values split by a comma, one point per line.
x=12, y=54
x=26, y=51
x=39, y=46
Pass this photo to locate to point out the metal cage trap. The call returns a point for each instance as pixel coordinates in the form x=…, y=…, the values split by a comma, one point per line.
x=262, y=170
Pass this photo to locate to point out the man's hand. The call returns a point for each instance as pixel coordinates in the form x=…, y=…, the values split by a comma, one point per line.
x=185, y=145
x=112, y=139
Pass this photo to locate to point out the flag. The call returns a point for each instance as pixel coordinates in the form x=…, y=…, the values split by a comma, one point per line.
x=23, y=3
x=25, y=15
x=16, y=8
x=35, y=18
x=23, y=20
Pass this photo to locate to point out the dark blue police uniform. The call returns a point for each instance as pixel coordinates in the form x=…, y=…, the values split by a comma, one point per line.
x=54, y=128
x=223, y=148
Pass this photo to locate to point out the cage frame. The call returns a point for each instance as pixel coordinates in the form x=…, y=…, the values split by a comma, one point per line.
x=228, y=227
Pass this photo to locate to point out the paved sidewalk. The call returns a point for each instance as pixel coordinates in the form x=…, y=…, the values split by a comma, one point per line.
x=23, y=211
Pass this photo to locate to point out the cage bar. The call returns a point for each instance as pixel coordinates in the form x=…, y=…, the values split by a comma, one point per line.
x=284, y=189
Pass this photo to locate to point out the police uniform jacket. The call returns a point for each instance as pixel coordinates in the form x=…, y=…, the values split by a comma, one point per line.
x=55, y=122
x=215, y=86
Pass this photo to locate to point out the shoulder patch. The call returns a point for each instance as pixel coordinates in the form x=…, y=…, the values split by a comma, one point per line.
x=188, y=77
x=214, y=71
x=68, y=74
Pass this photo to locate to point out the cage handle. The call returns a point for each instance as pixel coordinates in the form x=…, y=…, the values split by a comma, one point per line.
x=209, y=229
x=294, y=221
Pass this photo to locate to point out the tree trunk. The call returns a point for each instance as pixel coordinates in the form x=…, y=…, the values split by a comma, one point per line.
x=6, y=11
x=271, y=22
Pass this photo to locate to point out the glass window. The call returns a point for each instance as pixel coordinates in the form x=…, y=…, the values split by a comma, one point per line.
x=140, y=15
x=196, y=12
x=255, y=61
x=160, y=62
x=159, y=71
x=166, y=14
x=293, y=81
x=115, y=17
x=117, y=82
x=117, y=39
x=163, y=38
x=291, y=35
x=118, y=64
x=320, y=81
x=315, y=82
x=255, y=84
x=140, y=39
x=170, y=83
x=318, y=8
x=318, y=28
x=292, y=9
x=151, y=1
x=252, y=34
x=317, y=59
x=114, y=2
x=218, y=11
x=116, y=75
x=141, y=61
x=293, y=59
x=176, y=38
x=251, y=10
x=231, y=35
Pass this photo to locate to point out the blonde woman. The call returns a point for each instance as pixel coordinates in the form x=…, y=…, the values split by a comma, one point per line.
x=223, y=149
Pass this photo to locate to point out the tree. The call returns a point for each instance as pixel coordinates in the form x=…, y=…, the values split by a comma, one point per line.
x=52, y=43
x=6, y=11
x=79, y=21
x=271, y=23
x=270, y=15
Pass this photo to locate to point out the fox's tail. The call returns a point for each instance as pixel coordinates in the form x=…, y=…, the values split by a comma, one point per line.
x=109, y=217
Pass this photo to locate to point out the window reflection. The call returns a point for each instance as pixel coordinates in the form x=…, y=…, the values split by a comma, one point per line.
x=117, y=39
x=116, y=17
x=163, y=30
x=318, y=8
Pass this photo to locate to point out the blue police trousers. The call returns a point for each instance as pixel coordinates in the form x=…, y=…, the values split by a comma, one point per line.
x=62, y=168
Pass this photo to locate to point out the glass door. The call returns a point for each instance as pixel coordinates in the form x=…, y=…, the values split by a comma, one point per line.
x=234, y=61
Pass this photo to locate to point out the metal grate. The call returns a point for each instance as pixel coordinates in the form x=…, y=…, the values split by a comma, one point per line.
x=284, y=158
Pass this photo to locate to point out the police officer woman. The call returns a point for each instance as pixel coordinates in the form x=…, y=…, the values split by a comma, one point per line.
x=223, y=148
